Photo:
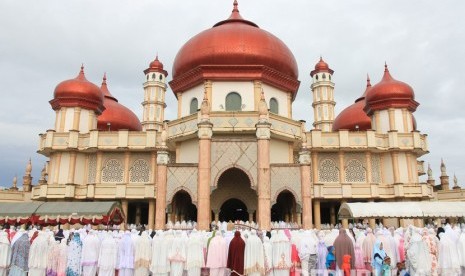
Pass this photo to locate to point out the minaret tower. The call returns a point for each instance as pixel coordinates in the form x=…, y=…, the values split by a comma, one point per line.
x=444, y=177
x=154, y=96
x=323, y=96
x=27, y=178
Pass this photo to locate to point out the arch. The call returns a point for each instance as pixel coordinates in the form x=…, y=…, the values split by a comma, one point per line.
x=285, y=208
x=182, y=207
x=328, y=171
x=233, y=102
x=283, y=190
x=233, y=209
x=274, y=106
x=234, y=166
x=233, y=183
x=194, y=106
x=185, y=189
x=354, y=171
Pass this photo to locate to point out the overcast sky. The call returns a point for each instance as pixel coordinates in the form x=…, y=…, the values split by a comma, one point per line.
x=44, y=42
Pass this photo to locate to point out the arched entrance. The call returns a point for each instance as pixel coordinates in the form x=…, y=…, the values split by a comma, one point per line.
x=285, y=208
x=233, y=209
x=182, y=207
x=233, y=199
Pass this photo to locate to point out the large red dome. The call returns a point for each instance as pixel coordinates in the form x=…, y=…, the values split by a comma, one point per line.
x=78, y=92
x=116, y=116
x=234, y=48
x=354, y=117
x=390, y=93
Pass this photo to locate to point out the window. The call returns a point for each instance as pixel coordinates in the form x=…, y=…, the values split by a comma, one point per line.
x=161, y=77
x=153, y=76
x=233, y=102
x=274, y=107
x=194, y=106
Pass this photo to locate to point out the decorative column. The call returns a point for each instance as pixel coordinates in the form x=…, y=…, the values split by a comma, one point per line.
x=151, y=218
x=162, y=162
x=124, y=208
x=316, y=209
x=205, y=134
x=138, y=214
x=263, y=163
x=306, y=185
x=251, y=215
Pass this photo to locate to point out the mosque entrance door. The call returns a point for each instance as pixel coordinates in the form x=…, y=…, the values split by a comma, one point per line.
x=285, y=208
x=233, y=209
x=233, y=199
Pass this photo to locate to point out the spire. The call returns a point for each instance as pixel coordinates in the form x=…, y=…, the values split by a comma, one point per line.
x=262, y=107
x=368, y=81
x=235, y=9
x=15, y=183
x=205, y=106
x=29, y=168
x=430, y=172
x=81, y=75
x=443, y=168
x=104, y=88
x=235, y=15
x=456, y=184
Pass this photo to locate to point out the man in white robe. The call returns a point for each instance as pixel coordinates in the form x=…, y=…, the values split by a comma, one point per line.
x=90, y=254
x=38, y=255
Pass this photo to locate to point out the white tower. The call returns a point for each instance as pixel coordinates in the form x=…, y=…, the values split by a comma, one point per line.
x=323, y=96
x=154, y=96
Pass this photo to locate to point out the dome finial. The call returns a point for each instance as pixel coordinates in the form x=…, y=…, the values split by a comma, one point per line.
x=386, y=67
x=235, y=9
x=104, y=78
x=368, y=81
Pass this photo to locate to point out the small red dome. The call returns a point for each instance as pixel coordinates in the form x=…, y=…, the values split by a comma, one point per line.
x=78, y=92
x=354, y=117
x=390, y=93
x=116, y=116
x=156, y=66
x=235, y=48
x=321, y=66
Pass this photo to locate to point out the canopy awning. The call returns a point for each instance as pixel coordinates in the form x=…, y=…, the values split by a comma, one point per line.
x=52, y=213
x=414, y=209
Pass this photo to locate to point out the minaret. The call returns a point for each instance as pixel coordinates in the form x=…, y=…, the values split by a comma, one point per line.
x=456, y=183
x=444, y=177
x=154, y=96
x=323, y=96
x=14, y=187
x=27, y=178
x=430, y=176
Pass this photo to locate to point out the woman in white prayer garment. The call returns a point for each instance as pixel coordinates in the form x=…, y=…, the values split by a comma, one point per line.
x=5, y=253
x=461, y=249
x=448, y=261
x=268, y=253
x=143, y=254
x=90, y=254
x=419, y=260
x=38, y=255
x=195, y=257
x=63, y=257
x=126, y=255
x=254, y=259
x=108, y=254
x=160, y=265
x=281, y=247
x=177, y=254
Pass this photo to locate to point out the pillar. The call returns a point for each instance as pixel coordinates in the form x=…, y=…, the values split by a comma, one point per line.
x=263, y=163
x=306, y=189
x=124, y=208
x=162, y=162
x=151, y=218
x=372, y=223
x=345, y=223
x=299, y=218
x=251, y=216
x=138, y=214
x=217, y=215
x=204, y=175
x=316, y=209
x=332, y=214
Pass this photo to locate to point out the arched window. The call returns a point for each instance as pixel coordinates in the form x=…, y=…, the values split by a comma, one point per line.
x=233, y=102
x=274, y=107
x=328, y=171
x=194, y=106
x=355, y=172
x=153, y=76
x=161, y=77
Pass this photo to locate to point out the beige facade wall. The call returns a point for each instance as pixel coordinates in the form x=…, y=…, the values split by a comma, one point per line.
x=64, y=168
x=221, y=89
x=280, y=96
x=188, y=95
x=403, y=168
x=188, y=151
x=279, y=151
x=387, y=170
x=80, y=173
x=383, y=126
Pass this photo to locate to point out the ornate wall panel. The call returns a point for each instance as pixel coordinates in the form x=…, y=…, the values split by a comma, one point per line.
x=328, y=170
x=240, y=154
x=285, y=178
x=375, y=169
x=182, y=178
x=92, y=172
x=355, y=171
x=112, y=171
x=139, y=171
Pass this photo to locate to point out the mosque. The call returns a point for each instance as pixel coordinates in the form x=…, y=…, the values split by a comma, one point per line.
x=234, y=152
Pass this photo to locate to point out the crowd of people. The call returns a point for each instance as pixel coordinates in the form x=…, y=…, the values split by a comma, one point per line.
x=354, y=251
